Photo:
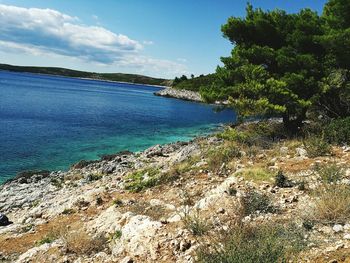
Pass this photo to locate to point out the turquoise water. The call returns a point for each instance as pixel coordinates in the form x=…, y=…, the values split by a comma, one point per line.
x=49, y=122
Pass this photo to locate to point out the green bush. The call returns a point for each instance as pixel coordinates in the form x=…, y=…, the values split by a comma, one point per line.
x=282, y=181
x=317, y=146
x=223, y=154
x=330, y=173
x=338, y=131
x=267, y=243
x=197, y=225
x=254, y=201
x=142, y=179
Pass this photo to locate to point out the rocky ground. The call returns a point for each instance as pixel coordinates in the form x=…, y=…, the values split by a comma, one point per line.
x=164, y=204
x=180, y=94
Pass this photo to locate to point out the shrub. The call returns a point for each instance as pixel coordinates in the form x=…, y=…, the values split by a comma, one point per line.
x=233, y=135
x=194, y=223
x=282, y=181
x=68, y=211
x=223, y=154
x=117, y=202
x=332, y=205
x=254, y=201
x=142, y=179
x=80, y=242
x=302, y=186
x=338, y=131
x=330, y=173
x=94, y=177
x=317, y=146
x=232, y=191
x=56, y=182
x=267, y=243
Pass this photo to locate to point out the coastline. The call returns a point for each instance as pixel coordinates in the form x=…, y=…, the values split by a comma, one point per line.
x=188, y=95
x=82, y=78
x=136, y=203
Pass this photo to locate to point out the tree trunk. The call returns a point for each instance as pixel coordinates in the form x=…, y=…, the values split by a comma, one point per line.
x=293, y=125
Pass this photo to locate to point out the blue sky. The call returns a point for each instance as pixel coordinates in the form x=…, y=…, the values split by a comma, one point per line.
x=160, y=38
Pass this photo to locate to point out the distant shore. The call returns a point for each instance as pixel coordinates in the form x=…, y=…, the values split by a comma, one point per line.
x=82, y=78
x=110, y=77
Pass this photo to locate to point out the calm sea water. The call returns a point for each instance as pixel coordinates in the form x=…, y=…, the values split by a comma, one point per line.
x=49, y=122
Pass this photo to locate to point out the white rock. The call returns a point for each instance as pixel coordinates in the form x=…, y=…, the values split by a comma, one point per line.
x=337, y=228
x=137, y=236
x=301, y=152
x=174, y=218
x=347, y=236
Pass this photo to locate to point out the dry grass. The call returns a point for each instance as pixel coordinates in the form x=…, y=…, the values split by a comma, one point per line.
x=332, y=205
x=265, y=243
x=257, y=175
x=78, y=241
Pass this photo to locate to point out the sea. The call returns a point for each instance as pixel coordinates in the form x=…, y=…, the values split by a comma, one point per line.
x=51, y=122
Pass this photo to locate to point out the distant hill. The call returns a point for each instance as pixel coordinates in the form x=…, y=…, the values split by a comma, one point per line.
x=132, y=78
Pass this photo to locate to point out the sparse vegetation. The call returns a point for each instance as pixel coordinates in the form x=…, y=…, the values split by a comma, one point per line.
x=338, y=131
x=195, y=223
x=256, y=174
x=331, y=205
x=142, y=179
x=269, y=243
x=49, y=238
x=282, y=181
x=68, y=211
x=222, y=155
x=78, y=241
x=317, y=146
x=330, y=173
x=117, y=202
x=254, y=201
x=118, y=234
x=94, y=177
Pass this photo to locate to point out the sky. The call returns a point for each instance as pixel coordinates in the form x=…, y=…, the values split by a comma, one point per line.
x=160, y=38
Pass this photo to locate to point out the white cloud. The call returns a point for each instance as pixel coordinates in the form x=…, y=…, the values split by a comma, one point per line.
x=183, y=60
x=148, y=42
x=48, y=32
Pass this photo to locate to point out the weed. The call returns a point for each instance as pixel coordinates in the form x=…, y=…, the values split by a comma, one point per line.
x=94, y=177
x=317, y=146
x=282, y=181
x=330, y=173
x=223, y=154
x=254, y=202
x=117, y=234
x=46, y=239
x=256, y=174
x=117, y=202
x=268, y=243
x=80, y=242
x=142, y=179
x=232, y=191
x=194, y=223
x=332, y=205
x=68, y=211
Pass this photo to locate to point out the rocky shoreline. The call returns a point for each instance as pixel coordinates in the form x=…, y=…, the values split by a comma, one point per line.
x=180, y=94
x=135, y=207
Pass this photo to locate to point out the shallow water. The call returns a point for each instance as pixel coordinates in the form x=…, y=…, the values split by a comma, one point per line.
x=49, y=122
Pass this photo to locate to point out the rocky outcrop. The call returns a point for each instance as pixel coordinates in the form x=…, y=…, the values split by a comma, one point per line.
x=180, y=94
x=90, y=205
